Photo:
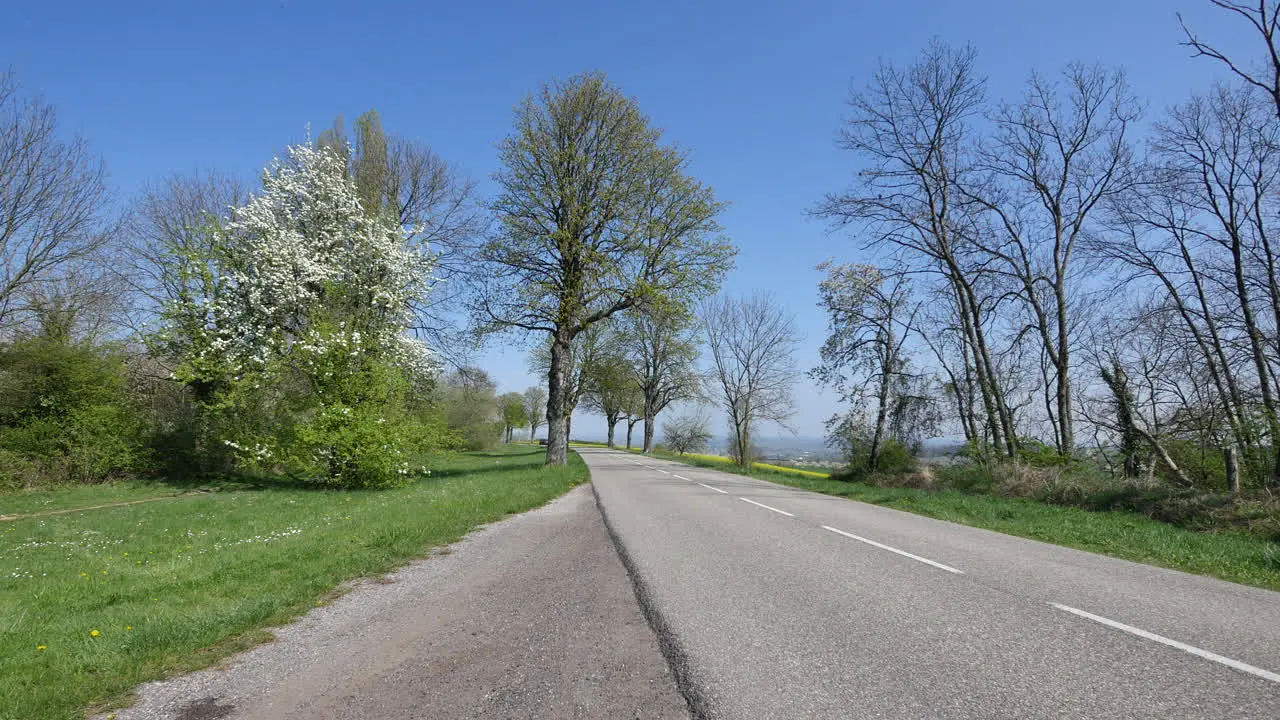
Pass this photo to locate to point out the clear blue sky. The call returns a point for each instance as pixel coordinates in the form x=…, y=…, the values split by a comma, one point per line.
x=755, y=89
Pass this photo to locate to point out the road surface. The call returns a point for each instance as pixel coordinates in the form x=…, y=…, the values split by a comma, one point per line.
x=773, y=602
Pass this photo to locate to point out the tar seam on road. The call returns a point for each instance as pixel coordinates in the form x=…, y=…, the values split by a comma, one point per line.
x=1192, y=649
x=766, y=507
x=677, y=658
x=903, y=553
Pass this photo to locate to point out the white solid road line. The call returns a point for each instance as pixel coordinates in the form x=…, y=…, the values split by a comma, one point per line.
x=725, y=492
x=903, y=553
x=680, y=476
x=766, y=507
x=1236, y=664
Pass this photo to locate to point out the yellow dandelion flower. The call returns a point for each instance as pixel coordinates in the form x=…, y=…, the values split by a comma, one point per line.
x=128, y=627
x=94, y=633
x=41, y=648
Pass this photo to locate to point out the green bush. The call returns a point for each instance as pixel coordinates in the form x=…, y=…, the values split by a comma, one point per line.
x=1206, y=467
x=350, y=430
x=104, y=441
x=66, y=414
x=18, y=471
x=1039, y=454
x=895, y=458
x=966, y=477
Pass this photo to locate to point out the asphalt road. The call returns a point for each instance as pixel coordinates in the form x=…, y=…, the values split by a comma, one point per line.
x=773, y=602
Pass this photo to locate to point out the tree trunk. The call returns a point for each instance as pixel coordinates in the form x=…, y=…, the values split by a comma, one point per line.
x=1118, y=382
x=611, y=424
x=882, y=412
x=1062, y=363
x=1257, y=345
x=630, y=426
x=742, y=438
x=568, y=427
x=1232, y=462
x=557, y=394
x=649, y=422
x=1165, y=458
x=999, y=420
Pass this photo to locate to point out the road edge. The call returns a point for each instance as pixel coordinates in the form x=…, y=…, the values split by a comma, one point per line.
x=672, y=651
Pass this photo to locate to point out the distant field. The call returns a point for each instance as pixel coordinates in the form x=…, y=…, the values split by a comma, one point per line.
x=93, y=603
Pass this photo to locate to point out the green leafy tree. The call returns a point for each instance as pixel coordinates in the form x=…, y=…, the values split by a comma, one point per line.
x=610, y=385
x=662, y=344
x=535, y=407
x=472, y=408
x=513, y=413
x=595, y=215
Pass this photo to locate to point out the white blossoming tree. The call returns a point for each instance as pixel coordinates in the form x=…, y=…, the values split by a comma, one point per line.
x=299, y=344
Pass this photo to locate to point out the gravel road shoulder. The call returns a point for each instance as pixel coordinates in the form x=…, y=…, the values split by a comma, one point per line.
x=531, y=617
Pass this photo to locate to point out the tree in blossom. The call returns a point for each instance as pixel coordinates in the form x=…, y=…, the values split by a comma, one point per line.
x=304, y=353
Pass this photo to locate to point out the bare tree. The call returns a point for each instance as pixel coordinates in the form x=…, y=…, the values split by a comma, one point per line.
x=752, y=342
x=912, y=127
x=169, y=239
x=688, y=433
x=1263, y=17
x=52, y=198
x=1200, y=228
x=595, y=216
x=1056, y=158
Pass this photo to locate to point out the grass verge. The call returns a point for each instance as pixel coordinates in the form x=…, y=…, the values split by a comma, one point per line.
x=1233, y=556
x=95, y=602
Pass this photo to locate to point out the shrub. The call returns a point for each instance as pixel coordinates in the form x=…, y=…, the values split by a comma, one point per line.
x=1204, y=466
x=966, y=477
x=18, y=471
x=689, y=433
x=350, y=430
x=1038, y=454
x=65, y=413
x=895, y=457
x=103, y=441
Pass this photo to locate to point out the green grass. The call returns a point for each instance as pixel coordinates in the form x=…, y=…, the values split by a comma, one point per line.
x=45, y=500
x=1234, y=556
x=177, y=584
